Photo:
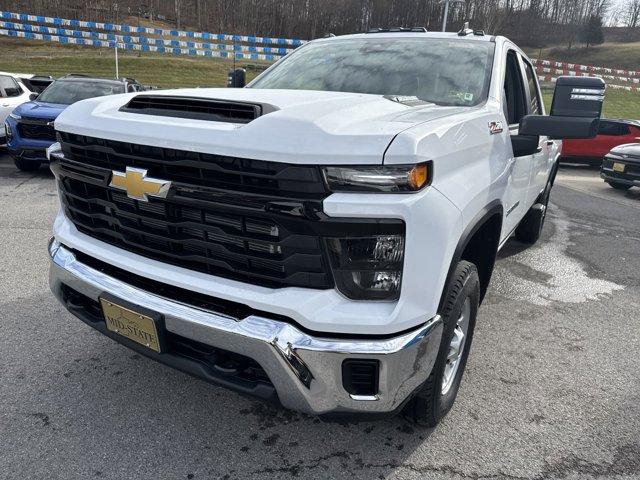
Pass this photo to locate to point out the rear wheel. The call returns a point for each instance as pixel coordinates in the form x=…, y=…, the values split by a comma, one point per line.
x=26, y=166
x=530, y=227
x=436, y=397
x=619, y=186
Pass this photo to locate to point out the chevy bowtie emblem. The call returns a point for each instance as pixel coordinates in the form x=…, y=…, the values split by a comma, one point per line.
x=138, y=186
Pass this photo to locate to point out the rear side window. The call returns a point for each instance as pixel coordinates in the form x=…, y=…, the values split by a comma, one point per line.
x=612, y=128
x=514, y=99
x=9, y=87
x=534, y=104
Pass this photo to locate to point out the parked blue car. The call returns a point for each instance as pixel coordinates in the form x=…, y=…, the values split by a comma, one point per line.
x=29, y=128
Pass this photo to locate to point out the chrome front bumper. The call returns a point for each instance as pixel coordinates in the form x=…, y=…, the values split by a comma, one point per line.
x=305, y=370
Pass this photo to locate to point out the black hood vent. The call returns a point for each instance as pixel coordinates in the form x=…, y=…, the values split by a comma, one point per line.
x=193, y=108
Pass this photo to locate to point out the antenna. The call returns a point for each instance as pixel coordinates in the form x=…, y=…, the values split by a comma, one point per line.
x=465, y=30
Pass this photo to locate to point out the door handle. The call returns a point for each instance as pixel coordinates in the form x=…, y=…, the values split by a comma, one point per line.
x=549, y=142
x=6, y=104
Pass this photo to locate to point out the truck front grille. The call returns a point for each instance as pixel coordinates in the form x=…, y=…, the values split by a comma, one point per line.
x=199, y=169
x=37, y=129
x=253, y=221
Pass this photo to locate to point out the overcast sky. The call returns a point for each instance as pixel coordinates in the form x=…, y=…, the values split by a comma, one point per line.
x=616, y=7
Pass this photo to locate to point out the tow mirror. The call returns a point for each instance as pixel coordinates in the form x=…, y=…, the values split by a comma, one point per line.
x=525, y=145
x=237, y=78
x=575, y=111
x=33, y=96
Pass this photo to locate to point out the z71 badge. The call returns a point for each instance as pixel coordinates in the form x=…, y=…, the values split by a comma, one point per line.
x=495, y=127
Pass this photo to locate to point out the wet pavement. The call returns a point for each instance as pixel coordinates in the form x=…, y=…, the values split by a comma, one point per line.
x=552, y=388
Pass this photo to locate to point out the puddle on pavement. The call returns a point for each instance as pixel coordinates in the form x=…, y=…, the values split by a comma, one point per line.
x=544, y=274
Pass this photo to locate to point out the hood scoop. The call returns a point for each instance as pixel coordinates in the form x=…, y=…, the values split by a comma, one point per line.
x=194, y=108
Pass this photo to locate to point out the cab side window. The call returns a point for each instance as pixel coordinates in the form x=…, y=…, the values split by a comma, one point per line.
x=535, y=107
x=9, y=87
x=514, y=100
x=607, y=127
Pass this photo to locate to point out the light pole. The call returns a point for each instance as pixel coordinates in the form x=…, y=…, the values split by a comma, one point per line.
x=115, y=8
x=446, y=11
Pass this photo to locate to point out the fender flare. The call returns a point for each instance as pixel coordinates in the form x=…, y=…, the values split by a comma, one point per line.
x=493, y=208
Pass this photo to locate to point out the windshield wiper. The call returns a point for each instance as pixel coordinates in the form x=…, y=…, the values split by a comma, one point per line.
x=409, y=100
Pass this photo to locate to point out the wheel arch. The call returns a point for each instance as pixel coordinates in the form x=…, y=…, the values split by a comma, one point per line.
x=478, y=244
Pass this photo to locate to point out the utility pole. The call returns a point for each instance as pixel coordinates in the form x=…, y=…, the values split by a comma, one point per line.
x=177, y=14
x=115, y=8
x=446, y=11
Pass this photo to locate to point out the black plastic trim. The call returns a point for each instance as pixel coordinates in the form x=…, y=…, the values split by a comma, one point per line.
x=493, y=208
x=196, y=108
x=261, y=390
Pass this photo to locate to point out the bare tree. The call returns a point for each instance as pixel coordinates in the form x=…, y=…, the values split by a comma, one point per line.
x=529, y=22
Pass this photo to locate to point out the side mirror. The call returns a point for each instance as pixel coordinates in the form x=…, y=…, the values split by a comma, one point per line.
x=33, y=96
x=237, y=78
x=575, y=110
x=525, y=145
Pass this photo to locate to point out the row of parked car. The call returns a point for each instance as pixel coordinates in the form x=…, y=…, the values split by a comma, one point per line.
x=29, y=105
x=616, y=149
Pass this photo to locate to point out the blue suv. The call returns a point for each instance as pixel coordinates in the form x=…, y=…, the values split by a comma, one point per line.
x=29, y=128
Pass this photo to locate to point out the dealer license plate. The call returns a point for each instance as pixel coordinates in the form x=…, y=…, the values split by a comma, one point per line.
x=133, y=325
x=618, y=167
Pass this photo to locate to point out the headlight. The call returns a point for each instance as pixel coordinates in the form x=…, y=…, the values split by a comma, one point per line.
x=383, y=178
x=367, y=268
x=7, y=131
x=15, y=116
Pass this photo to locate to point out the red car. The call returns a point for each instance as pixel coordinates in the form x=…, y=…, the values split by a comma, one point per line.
x=611, y=133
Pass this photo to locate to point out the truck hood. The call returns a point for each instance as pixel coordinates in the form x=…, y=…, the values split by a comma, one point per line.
x=35, y=109
x=628, y=149
x=300, y=126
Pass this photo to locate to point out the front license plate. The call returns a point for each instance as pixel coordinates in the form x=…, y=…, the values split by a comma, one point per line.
x=618, y=167
x=134, y=325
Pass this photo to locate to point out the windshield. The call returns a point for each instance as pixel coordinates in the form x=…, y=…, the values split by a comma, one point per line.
x=442, y=71
x=71, y=91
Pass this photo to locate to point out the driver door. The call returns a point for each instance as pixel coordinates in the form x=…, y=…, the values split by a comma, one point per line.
x=514, y=104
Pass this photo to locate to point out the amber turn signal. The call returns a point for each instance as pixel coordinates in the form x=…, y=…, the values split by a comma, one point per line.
x=418, y=176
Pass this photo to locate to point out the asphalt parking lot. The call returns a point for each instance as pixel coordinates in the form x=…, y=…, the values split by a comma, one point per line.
x=552, y=389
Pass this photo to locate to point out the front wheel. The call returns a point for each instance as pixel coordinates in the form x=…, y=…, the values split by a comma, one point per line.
x=437, y=395
x=619, y=186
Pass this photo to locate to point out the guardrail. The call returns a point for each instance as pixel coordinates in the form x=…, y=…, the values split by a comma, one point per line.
x=239, y=47
x=576, y=67
x=549, y=71
x=628, y=88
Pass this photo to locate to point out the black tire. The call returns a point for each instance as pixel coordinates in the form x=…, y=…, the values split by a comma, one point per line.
x=530, y=228
x=619, y=186
x=429, y=405
x=26, y=166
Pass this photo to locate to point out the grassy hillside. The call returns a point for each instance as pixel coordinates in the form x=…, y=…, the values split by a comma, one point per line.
x=163, y=70
x=614, y=55
x=617, y=104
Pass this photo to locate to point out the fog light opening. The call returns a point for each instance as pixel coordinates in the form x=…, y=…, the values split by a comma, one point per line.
x=360, y=378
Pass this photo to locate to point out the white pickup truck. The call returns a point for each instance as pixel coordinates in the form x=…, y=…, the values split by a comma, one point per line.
x=323, y=237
